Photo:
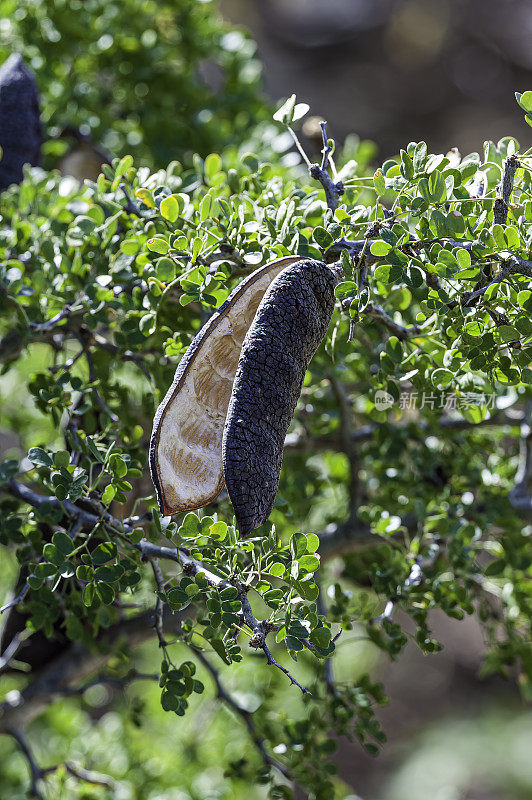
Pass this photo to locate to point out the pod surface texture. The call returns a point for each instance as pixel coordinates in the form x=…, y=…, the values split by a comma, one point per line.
x=186, y=444
x=290, y=323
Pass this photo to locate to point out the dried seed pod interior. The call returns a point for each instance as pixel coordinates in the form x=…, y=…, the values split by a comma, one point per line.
x=186, y=444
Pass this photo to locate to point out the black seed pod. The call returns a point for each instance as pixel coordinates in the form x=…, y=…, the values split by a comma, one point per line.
x=290, y=323
x=186, y=445
x=20, y=124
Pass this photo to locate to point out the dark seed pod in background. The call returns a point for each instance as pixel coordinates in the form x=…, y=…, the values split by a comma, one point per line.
x=186, y=444
x=20, y=123
x=290, y=323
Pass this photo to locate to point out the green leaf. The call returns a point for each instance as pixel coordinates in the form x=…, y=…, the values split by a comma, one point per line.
x=39, y=457
x=293, y=644
x=309, y=563
x=158, y=245
x=108, y=494
x=169, y=701
x=169, y=208
x=218, y=530
x=346, y=289
x=380, y=248
x=229, y=593
x=298, y=544
x=105, y=592
x=165, y=270
x=104, y=552
x=524, y=298
x=290, y=112
x=525, y=101
x=213, y=165
x=51, y=553
x=420, y=156
x=62, y=458
x=88, y=594
x=63, y=542
x=441, y=377
x=109, y=573
x=379, y=182
x=437, y=187
x=506, y=333
x=321, y=637
x=322, y=237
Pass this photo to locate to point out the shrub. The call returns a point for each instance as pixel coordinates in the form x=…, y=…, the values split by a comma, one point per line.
x=158, y=79
x=408, y=459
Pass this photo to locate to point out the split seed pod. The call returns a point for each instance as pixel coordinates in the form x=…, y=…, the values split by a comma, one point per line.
x=186, y=443
x=290, y=323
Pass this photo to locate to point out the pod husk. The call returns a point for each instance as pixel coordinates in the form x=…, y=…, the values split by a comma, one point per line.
x=186, y=444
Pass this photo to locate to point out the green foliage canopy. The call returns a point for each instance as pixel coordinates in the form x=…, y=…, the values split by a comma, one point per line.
x=384, y=503
x=158, y=79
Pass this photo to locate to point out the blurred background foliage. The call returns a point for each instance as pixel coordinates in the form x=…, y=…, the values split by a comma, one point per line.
x=388, y=69
x=157, y=78
x=164, y=80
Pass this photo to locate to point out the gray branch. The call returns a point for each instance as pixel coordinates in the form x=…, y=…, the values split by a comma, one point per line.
x=333, y=191
x=502, y=201
x=244, y=714
x=37, y=773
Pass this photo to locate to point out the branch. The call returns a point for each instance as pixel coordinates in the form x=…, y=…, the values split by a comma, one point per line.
x=38, y=773
x=73, y=667
x=513, y=265
x=84, y=340
x=377, y=313
x=333, y=191
x=349, y=447
x=415, y=577
x=12, y=649
x=149, y=551
x=245, y=715
x=272, y=662
x=328, y=666
x=131, y=207
x=44, y=326
x=159, y=608
x=303, y=443
x=16, y=600
x=501, y=203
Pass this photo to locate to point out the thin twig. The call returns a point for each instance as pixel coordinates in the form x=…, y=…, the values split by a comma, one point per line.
x=502, y=202
x=131, y=207
x=18, y=599
x=244, y=714
x=36, y=775
x=159, y=607
x=272, y=662
x=377, y=313
x=44, y=326
x=333, y=191
x=348, y=444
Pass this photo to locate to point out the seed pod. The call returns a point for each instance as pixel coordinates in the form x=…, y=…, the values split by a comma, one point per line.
x=20, y=127
x=186, y=443
x=290, y=323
